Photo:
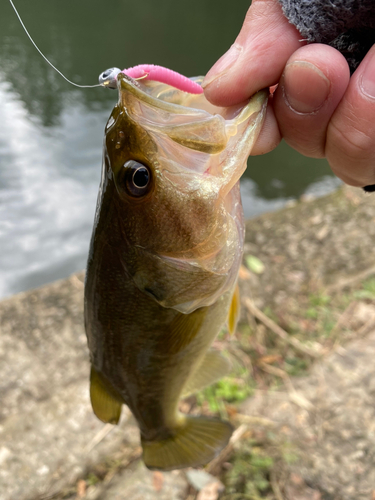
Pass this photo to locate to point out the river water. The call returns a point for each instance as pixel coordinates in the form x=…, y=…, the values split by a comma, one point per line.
x=51, y=133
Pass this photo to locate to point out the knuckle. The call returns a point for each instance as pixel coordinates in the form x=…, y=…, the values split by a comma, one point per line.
x=353, y=142
x=351, y=153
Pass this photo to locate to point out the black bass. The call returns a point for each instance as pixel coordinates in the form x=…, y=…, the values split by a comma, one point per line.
x=163, y=263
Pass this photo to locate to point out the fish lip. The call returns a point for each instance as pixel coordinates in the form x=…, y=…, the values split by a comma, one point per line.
x=127, y=84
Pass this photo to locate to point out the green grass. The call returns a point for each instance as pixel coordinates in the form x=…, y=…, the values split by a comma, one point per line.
x=295, y=366
x=92, y=479
x=250, y=472
x=367, y=291
x=229, y=390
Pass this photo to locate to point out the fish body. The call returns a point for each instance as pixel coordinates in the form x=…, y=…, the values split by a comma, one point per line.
x=163, y=262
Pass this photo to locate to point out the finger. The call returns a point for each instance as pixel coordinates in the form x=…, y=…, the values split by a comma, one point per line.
x=256, y=59
x=313, y=83
x=350, y=148
x=269, y=136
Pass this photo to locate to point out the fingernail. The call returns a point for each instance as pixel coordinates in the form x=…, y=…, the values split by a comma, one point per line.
x=222, y=65
x=306, y=88
x=367, y=82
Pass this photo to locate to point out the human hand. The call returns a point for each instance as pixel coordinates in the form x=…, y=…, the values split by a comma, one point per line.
x=317, y=108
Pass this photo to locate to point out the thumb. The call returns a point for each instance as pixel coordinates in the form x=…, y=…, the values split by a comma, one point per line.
x=257, y=58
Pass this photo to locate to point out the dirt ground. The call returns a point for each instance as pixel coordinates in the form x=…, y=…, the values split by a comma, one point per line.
x=301, y=394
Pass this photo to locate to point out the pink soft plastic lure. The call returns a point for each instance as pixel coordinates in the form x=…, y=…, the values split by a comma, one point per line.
x=164, y=75
x=151, y=72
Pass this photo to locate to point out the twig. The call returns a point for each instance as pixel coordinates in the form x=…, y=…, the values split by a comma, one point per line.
x=350, y=281
x=241, y=356
x=273, y=370
x=294, y=396
x=240, y=496
x=246, y=421
x=104, y=431
x=275, y=487
x=135, y=455
x=280, y=332
x=251, y=420
x=227, y=451
x=362, y=331
x=365, y=328
x=348, y=311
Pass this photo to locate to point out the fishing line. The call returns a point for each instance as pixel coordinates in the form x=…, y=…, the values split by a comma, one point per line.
x=45, y=58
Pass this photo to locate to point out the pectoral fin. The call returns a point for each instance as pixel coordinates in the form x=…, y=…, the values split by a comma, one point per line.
x=234, y=311
x=105, y=404
x=213, y=367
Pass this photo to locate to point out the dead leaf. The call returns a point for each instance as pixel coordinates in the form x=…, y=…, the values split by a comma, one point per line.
x=157, y=480
x=244, y=274
x=231, y=410
x=81, y=488
x=316, y=219
x=279, y=259
x=199, y=478
x=297, y=489
x=271, y=358
x=297, y=480
x=322, y=233
x=211, y=491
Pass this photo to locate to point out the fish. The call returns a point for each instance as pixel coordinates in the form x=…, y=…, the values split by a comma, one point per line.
x=163, y=262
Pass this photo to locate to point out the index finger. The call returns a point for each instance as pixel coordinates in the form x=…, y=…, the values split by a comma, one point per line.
x=257, y=58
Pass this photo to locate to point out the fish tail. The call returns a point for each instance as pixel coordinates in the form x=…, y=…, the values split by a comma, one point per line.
x=196, y=441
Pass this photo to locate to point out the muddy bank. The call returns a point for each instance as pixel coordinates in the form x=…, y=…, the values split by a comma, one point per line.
x=312, y=245
x=51, y=445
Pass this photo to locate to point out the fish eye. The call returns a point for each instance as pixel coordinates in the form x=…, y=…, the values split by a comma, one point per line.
x=136, y=178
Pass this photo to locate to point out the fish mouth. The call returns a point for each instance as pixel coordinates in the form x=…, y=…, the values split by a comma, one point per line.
x=188, y=119
x=199, y=152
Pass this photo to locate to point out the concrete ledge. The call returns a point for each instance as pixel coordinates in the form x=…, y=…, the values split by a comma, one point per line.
x=47, y=428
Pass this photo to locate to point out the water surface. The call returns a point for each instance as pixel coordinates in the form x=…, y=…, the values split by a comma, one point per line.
x=51, y=133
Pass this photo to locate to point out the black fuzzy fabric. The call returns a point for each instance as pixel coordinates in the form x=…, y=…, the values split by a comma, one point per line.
x=347, y=25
